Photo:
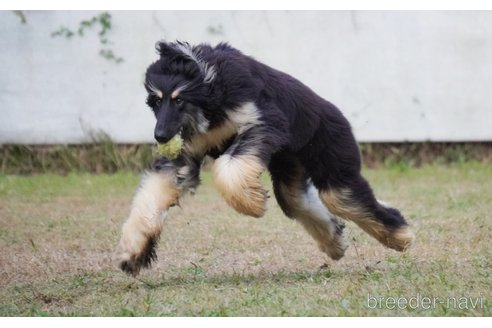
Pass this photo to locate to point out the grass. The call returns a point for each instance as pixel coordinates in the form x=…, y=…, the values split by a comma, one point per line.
x=105, y=156
x=58, y=234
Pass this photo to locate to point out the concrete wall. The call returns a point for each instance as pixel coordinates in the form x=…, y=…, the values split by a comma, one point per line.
x=397, y=76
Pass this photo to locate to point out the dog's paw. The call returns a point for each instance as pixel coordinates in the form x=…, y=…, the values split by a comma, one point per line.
x=132, y=260
x=336, y=245
x=237, y=178
x=335, y=248
x=251, y=201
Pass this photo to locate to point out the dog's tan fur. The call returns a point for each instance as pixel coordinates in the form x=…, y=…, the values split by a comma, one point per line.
x=238, y=121
x=307, y=209
x=201, y=143
x=339, y=202
x=157, y=193
x=237, y=179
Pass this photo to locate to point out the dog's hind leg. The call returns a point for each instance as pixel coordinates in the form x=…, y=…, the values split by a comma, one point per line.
x=158, y=191
x=299, y=199
x=332, y=160
x=355, y=201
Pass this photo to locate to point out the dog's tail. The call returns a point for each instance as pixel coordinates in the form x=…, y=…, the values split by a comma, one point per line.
x=359, y=205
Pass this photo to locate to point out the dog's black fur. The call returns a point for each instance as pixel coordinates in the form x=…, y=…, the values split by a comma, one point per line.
x=300, y=137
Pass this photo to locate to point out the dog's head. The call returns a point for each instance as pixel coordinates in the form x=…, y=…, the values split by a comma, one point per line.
x=178, y=85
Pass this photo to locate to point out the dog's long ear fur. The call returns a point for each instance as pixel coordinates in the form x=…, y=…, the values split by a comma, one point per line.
x=168, y=50
x=186, y=52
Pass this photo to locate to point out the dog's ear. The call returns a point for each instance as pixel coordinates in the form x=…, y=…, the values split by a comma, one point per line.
x=184, y=51
x=167, y=50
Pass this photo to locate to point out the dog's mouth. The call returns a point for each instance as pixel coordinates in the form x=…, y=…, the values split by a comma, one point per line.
x=172, y=148
x=179, y=134
x=164, y=139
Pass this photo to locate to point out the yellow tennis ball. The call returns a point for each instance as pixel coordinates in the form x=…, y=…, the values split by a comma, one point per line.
x=172, y=148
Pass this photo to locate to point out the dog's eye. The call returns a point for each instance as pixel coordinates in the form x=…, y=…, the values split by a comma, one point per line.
x=178, y=101
x=158, y=101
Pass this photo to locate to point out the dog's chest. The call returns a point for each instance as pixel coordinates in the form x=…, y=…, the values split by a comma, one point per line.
x=214, y=141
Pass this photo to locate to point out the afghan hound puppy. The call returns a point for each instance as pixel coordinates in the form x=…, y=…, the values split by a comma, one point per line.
x=251, y=118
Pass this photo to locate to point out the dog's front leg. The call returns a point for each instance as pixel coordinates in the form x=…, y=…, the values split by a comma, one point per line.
x=237, y=178
x=158, y=192
x=261, y=133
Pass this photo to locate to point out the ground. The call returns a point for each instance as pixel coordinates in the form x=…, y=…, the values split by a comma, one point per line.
x=58, y=235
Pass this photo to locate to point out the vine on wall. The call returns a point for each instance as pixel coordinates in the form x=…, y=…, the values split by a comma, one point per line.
x=103, y=21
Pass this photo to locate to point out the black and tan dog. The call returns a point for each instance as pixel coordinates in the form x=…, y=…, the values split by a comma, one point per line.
x=250, y=118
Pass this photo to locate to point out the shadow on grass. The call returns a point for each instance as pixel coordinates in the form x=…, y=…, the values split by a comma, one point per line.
x=236, y=279
x=402, y=265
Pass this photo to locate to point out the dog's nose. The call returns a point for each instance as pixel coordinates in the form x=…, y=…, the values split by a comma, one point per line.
x=161, y=134
x=161, y=138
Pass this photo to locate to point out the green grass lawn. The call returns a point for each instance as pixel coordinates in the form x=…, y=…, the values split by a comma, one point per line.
x=58, y=235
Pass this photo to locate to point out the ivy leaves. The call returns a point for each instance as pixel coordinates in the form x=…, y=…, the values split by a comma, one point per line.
x=103, y=22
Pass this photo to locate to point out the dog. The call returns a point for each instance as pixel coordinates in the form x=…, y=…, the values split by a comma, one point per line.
x=250, y=118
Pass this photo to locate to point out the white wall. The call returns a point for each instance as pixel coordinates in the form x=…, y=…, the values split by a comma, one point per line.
x=397, y=76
